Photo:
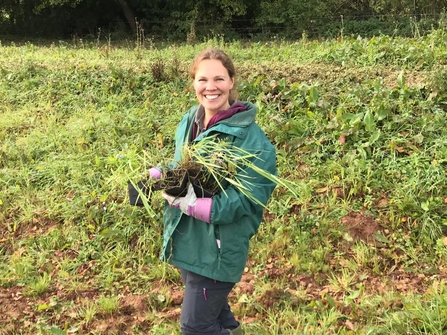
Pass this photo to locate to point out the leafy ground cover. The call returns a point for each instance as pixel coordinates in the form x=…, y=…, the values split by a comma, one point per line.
x=359, y=126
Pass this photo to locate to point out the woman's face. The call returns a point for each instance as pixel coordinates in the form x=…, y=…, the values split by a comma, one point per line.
x=212, y=84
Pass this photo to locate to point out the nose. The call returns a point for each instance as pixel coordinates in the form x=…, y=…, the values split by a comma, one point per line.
x=210, y=86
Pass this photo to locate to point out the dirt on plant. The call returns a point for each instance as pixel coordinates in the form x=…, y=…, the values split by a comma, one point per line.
x=175, y=182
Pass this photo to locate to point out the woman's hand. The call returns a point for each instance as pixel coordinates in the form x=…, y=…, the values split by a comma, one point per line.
x=199, y=208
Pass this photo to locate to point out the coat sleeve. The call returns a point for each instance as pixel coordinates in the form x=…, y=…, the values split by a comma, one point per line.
x=231, y=205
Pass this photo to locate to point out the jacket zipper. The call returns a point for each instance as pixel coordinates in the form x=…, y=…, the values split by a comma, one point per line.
x=219, y=249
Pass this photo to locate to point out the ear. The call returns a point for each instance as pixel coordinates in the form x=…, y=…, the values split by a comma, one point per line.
x=232, y=83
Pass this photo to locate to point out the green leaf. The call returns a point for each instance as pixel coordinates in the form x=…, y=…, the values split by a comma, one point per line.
x=419, y=138
x=354, y=294
x=330, y=300
x=381, y=238
x=57, y=331
x=43, y=307
x=368, y=120
x=313, y=96
x=401, y=80
x=381, y=112
x=319, y=303
x=346, y=115
x=356, y=119
x=243, y=299
x=374, y=136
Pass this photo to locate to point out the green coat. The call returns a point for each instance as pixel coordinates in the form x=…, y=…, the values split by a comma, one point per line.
x=190, y=243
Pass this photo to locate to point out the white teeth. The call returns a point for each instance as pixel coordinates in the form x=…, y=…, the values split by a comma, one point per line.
x=211, y=97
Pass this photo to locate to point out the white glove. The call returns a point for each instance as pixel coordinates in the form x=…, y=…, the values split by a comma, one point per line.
x=186, y=204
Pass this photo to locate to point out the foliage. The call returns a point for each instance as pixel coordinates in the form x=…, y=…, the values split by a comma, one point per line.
x=191, y=20
x=359, y=126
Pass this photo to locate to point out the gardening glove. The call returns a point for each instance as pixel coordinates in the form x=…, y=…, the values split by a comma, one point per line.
x=155, y=173
x=189, y=204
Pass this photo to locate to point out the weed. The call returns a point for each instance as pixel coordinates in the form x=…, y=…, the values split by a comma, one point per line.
x=88, y=311
x=158, y=70
x=38, y=285
x=342, y=282
x=107, y=304
x=420, y=316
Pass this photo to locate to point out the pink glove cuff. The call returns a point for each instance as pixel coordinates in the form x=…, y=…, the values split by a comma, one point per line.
x=155, y=173
x=202, y=209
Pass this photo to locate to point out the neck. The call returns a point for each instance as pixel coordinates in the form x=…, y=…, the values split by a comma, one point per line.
x=207, y=118
x=209, y=114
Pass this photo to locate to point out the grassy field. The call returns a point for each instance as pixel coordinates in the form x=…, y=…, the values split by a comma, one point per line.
x=360, y=128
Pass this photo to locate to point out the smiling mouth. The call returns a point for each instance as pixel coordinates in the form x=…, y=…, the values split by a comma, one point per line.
x=211, y=97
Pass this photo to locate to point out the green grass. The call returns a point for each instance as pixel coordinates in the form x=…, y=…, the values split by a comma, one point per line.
x=360, y=129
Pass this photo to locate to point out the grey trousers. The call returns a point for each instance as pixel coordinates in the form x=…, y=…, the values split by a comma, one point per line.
x=205, y=308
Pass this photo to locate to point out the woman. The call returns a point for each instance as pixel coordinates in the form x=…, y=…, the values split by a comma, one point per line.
x=208, y=238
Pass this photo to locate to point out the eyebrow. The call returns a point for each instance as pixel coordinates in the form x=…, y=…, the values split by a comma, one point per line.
x=205, y=77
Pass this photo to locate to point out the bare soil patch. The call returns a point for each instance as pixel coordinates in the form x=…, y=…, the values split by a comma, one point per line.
x=360, y=226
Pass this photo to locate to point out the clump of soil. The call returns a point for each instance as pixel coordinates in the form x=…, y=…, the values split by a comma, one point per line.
x=175, y=182
x=360, y=226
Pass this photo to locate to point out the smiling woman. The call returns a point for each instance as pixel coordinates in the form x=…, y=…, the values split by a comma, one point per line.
x=208, y=237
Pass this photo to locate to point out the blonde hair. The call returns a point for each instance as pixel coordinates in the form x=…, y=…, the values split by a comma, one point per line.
x=213, y=53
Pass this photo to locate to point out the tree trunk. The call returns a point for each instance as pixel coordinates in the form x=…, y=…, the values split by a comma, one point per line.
x=130, y=17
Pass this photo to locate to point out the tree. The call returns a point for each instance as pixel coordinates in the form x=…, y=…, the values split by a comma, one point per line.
x=44, y=4
x=129, y=15
x=292, y=16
